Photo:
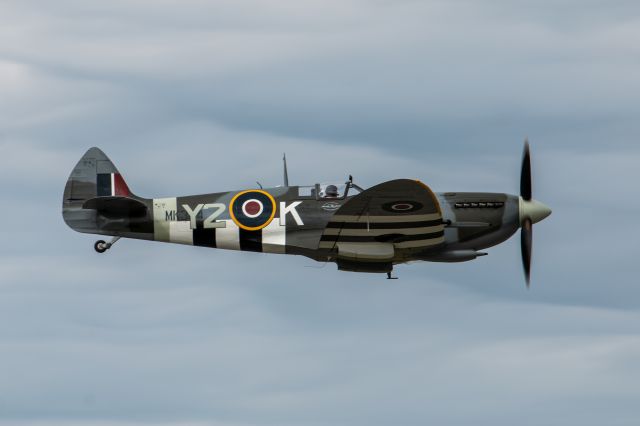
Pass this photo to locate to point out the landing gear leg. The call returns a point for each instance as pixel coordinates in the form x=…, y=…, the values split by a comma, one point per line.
x=389, y=277
x=101, y=246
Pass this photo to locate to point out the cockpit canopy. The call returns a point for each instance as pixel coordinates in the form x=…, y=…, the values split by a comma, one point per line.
x=328, y=191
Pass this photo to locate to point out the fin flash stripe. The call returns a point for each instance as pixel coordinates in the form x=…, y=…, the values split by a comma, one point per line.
x=111, y=185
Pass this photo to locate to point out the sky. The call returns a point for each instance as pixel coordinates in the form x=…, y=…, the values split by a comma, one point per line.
x=197, y=96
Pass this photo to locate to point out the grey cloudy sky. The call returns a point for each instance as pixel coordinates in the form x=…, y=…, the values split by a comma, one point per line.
x=197, y=96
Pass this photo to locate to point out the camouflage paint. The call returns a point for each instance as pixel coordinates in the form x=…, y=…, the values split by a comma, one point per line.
x=393, y=222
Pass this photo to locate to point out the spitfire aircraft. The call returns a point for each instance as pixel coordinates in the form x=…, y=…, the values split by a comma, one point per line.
x=361, y=230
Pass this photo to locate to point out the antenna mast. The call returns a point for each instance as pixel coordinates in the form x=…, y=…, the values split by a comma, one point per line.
x=286, y=174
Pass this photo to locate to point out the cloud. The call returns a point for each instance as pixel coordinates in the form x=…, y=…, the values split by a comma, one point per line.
x=197, y=97
x=430, y=74
x=225, y=347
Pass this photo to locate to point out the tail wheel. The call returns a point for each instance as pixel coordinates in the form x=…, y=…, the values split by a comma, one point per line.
x=100, y=246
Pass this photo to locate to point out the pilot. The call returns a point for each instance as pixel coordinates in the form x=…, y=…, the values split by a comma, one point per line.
x=331, y=191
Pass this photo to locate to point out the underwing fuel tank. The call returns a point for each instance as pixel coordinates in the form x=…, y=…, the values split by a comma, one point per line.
x=455, y=256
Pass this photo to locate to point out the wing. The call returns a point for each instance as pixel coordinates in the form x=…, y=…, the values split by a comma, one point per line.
x=398, y=214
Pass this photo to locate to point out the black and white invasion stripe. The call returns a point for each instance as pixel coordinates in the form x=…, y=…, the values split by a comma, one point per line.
x=404, y=231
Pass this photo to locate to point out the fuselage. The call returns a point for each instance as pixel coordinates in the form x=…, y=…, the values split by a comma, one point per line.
x=471, y=222
x=370, y=230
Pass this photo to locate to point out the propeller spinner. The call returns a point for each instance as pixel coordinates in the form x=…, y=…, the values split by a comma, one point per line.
x=531, y=211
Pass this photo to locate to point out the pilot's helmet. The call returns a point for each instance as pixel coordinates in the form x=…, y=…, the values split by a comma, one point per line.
x=331, y=191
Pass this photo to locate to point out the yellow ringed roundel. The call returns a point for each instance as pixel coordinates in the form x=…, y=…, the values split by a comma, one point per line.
x=253, y=209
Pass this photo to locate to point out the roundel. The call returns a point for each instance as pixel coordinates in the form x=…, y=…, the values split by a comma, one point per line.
x=402, y=206
x=252, y=210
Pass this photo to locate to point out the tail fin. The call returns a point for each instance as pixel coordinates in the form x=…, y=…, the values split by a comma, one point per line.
x=94, y=179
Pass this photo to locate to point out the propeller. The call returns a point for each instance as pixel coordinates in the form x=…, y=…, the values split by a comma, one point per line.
x=526, y=233
x=531, y=211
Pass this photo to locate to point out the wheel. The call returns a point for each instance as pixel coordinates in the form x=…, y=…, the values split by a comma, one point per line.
x=100, y=246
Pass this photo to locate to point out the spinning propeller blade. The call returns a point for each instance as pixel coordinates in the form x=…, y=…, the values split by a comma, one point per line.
x=525, y=174
x=526, y=233
x=526, y=243
x=531, y=211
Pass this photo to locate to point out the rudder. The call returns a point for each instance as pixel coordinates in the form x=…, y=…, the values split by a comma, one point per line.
x=94, y=176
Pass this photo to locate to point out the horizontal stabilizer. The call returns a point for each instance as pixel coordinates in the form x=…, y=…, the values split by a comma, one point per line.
x=116, y=206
